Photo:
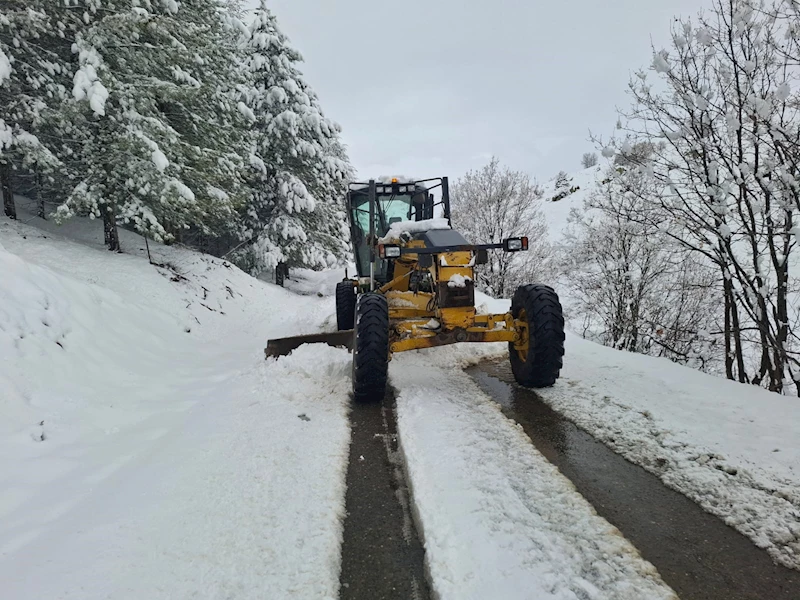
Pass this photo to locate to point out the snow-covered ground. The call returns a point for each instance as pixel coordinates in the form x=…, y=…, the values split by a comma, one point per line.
x=147, y=449
x=146, y=438
x=498, y=520
x=143, y=436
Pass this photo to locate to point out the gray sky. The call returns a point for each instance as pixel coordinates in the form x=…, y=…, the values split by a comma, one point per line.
x=426, y=88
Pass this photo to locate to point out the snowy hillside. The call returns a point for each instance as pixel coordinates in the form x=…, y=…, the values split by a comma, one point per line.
x=128, y=392
x=556, y=212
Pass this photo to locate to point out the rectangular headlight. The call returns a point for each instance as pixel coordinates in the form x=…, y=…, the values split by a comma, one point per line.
x=515, y=244
x=388, y=251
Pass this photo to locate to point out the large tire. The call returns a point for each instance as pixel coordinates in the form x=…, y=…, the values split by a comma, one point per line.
x=541, y=366
x=345, y=305
x=370, y=348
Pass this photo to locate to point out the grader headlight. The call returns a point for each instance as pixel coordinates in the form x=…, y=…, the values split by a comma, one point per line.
x=388, y=251
x=515, y=244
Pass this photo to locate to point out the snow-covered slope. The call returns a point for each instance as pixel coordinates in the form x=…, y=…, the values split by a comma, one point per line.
x=556, y=212
x=143, y=435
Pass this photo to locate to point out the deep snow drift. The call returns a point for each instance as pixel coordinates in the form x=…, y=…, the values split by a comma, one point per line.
x=145, y=438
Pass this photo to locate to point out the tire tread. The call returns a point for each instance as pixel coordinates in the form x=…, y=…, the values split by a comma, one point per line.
x=345, y=305
x=546, y=330
x=371, y=347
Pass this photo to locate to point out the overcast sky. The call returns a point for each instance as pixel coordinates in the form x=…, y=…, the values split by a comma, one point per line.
x=426, y=88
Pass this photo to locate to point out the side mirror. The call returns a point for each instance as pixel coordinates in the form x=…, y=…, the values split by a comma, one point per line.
x=482, y=256
x=425, y=260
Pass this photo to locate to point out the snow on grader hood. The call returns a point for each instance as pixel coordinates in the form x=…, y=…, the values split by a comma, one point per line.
x=415, y=289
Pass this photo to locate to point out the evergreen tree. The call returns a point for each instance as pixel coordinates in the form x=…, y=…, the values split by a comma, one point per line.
x=153, y=120
x=30, y=86
x=175, y=119
x=298, y=165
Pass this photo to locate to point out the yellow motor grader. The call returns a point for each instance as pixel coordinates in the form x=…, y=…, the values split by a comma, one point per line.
x=415, y=289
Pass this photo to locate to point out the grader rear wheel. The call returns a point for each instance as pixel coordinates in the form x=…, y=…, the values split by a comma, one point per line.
x=345, y=305
x=370, y=348
x=540, y=363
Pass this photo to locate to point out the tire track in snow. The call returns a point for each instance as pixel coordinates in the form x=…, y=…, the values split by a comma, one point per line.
x=699, y=556
x=382, y=556
x=498, y=519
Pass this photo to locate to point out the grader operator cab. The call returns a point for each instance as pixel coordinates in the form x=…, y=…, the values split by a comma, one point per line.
x=415, y=289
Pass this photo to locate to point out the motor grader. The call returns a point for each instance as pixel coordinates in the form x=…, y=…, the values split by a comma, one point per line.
x=415, y=288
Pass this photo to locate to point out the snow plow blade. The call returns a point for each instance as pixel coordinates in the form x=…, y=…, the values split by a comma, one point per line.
x=283, y=346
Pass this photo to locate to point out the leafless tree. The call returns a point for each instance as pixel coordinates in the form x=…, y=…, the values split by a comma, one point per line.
x=589, y=159
x=495, y=203
x=724, y=126
x=632, y=286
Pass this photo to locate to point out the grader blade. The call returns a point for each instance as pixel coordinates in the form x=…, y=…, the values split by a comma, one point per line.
x=283, y=346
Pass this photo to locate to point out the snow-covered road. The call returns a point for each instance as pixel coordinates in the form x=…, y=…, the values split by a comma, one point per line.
x=732, y=448
x=149, y=450
x=239, y=497
x=498, y=520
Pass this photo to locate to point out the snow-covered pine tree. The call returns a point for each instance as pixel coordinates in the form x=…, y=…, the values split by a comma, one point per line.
x=563, y=186
x=31, y=76
x=298, y=165
x=328, y=221
x=153, y=121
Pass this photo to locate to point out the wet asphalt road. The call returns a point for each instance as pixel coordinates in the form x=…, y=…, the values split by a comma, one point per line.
x=382, y=557
x=697, y=555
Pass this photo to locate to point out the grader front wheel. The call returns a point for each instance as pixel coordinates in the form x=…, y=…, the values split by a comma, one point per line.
x=370, y=348
x=540, y=363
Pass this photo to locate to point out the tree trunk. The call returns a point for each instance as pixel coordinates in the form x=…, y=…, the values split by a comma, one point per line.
x=110, y=228
x=40, y=210
x=9, y=206
x=782, y=323
x=733, y=334
x=737, y=342
x=728, y=330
